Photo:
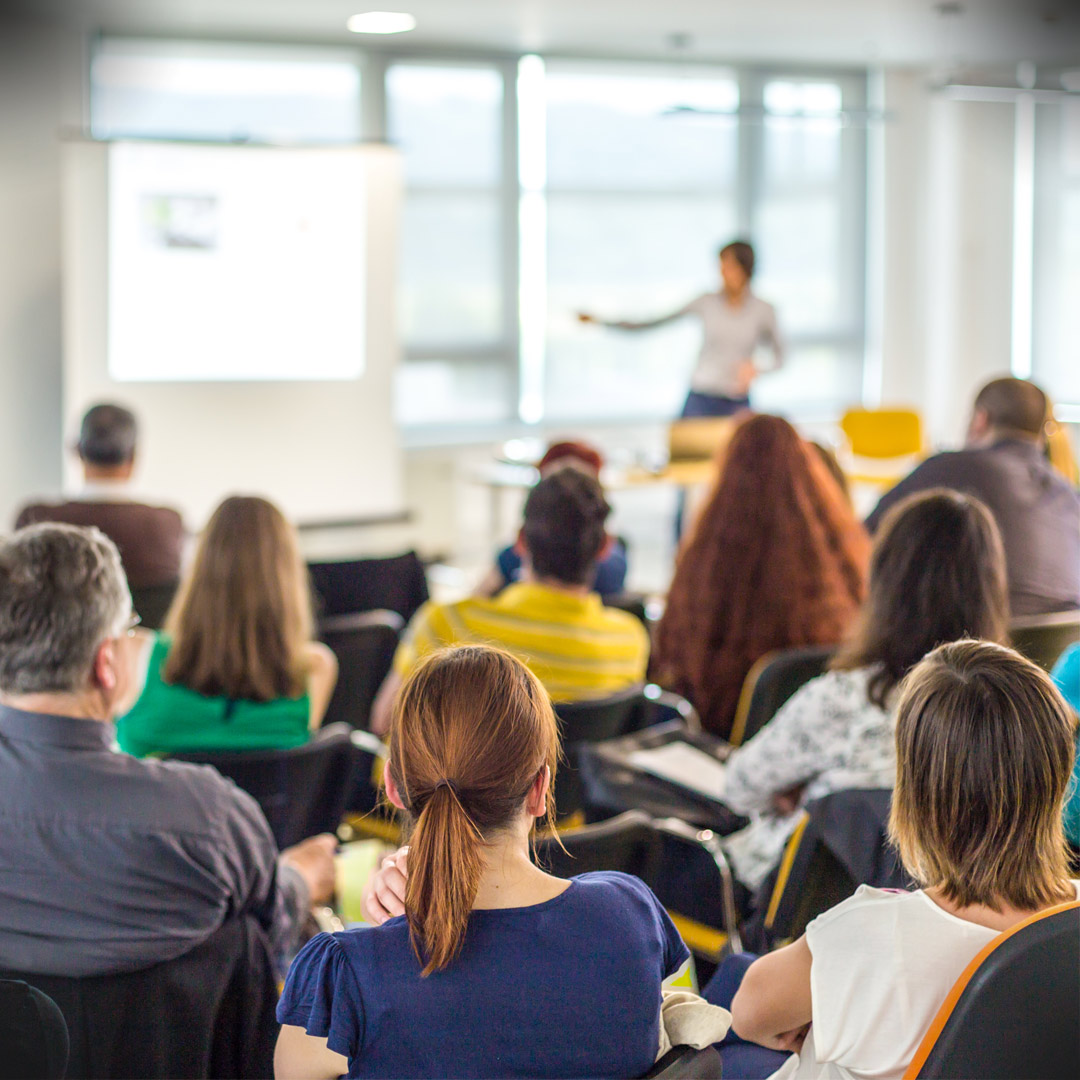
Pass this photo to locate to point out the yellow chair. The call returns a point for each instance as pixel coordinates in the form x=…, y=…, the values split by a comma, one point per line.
x=882, y=436
x=883, y=433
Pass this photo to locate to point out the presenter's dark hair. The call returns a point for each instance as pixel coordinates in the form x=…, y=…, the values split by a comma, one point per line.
x=743, y=253
x=564, y=526
x=107, y=436
x=937, y=574
x=471, y=731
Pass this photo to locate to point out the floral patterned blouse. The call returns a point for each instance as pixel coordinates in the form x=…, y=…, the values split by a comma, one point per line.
x=828, y=737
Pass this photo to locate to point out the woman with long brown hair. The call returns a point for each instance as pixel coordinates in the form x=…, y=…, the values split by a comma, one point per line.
x=235, y=668
x=937, y=574
x=775, y=560
x=497, y=968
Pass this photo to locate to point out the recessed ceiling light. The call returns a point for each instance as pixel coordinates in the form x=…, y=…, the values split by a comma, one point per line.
x=381, y=22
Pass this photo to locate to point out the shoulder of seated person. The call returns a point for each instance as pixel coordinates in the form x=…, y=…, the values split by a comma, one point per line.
x=864, y=898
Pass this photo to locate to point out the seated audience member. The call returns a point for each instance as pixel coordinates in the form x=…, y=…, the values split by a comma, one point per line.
x=1066, y=676
x=235, y=668
x=551, y=619
x=937, y=573
x=610, y=577
x=1003, y=464
x=120, y=863
x=150, y=538
x=776, y=559
x=497, y=968
x=984, y=748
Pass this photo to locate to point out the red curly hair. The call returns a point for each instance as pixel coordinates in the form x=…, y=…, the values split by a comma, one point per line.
x=777, y=559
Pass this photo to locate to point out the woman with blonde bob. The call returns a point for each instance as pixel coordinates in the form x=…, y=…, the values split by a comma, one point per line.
x=984, y=746
x=235, y=668
x=497, y=968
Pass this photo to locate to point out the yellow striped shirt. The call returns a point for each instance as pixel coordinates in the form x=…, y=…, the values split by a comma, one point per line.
x=574, y=645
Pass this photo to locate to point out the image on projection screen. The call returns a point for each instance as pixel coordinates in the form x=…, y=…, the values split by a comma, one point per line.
x=235, y=263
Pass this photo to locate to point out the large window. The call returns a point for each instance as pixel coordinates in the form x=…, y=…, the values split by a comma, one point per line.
x=1056, y=292
x=229, y=92
x=539, y=188
x=455, y=311
x=641, y=178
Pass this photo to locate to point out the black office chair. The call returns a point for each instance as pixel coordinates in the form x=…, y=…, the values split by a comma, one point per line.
x=393, y=584
x=1043, y=638
x=302, y=791
x=152, y=603
x=686, y=1063
x=364, y=644
x=840, y=843
x=584, y=723
x=653, y=849
x=33, y=1034
x=770, y=682
x=1015, y=1011
x=208, y=1013
x=633, y=603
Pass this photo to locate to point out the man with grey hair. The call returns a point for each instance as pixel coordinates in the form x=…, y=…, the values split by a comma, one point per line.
x=109, y=863
x=150, y=538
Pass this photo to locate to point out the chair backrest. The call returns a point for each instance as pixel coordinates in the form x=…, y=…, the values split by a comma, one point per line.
x=683, y=866
x=687, y=1063
x=585, y=722
x=364, y=645
x=152, y=603
x=1015, y=1010
x=883, y=433
x=770, y=682
x=393, y=584
x=208, y=1013
x=840, y=843
x=302, y=791
x=1043, y=638
x=633, y=603
x=33, y=1034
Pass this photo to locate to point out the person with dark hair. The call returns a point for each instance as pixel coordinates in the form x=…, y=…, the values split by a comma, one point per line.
x=937, y=573
x=1003, y=464
x=984, y=752
x=551, y=619
x=735, y=322
x=496, y=968
x=610, y=577
x=150, y=538
x=776, y=559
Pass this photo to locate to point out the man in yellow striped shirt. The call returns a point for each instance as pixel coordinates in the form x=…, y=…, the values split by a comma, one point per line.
x=551, y=620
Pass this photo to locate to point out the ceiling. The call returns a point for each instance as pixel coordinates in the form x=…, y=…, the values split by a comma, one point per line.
x=915, y=32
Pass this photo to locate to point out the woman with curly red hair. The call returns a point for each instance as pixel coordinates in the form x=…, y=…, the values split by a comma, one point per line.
x=776, y=560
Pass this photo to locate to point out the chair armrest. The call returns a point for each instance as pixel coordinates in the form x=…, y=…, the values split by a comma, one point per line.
x=370, y=743
x=674, y=701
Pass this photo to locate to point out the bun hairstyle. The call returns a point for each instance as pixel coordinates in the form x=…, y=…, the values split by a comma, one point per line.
x=472, y=729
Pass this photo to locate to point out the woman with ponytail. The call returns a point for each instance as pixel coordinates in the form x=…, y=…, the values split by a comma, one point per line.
x=497, y=968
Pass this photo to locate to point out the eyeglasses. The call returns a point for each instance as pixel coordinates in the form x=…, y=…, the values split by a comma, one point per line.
x=134, y=620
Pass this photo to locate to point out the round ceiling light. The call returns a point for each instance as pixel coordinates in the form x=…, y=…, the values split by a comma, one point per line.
x=381, y=22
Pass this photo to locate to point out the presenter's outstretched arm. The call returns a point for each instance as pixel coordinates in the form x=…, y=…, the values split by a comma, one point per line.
x=586, y=317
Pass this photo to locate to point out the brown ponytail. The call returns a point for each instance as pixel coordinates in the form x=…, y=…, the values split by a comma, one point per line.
x=472, y=729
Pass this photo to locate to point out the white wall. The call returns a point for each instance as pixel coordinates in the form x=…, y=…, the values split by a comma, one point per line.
x=947, y=250
x=39, y=79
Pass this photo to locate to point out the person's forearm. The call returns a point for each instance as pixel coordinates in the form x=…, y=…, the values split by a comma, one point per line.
x=300, y=1056
x=774, y=998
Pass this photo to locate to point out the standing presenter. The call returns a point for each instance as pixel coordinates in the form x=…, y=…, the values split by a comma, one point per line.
x=735, y=323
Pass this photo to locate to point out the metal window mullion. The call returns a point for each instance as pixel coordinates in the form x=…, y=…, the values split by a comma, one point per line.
x=750, y=154
x=508, y=223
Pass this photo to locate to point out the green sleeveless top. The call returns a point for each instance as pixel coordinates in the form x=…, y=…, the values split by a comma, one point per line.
x=169, y=718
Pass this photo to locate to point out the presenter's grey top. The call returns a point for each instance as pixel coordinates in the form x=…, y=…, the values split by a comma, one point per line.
x=732, y=333
x=109, y=863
